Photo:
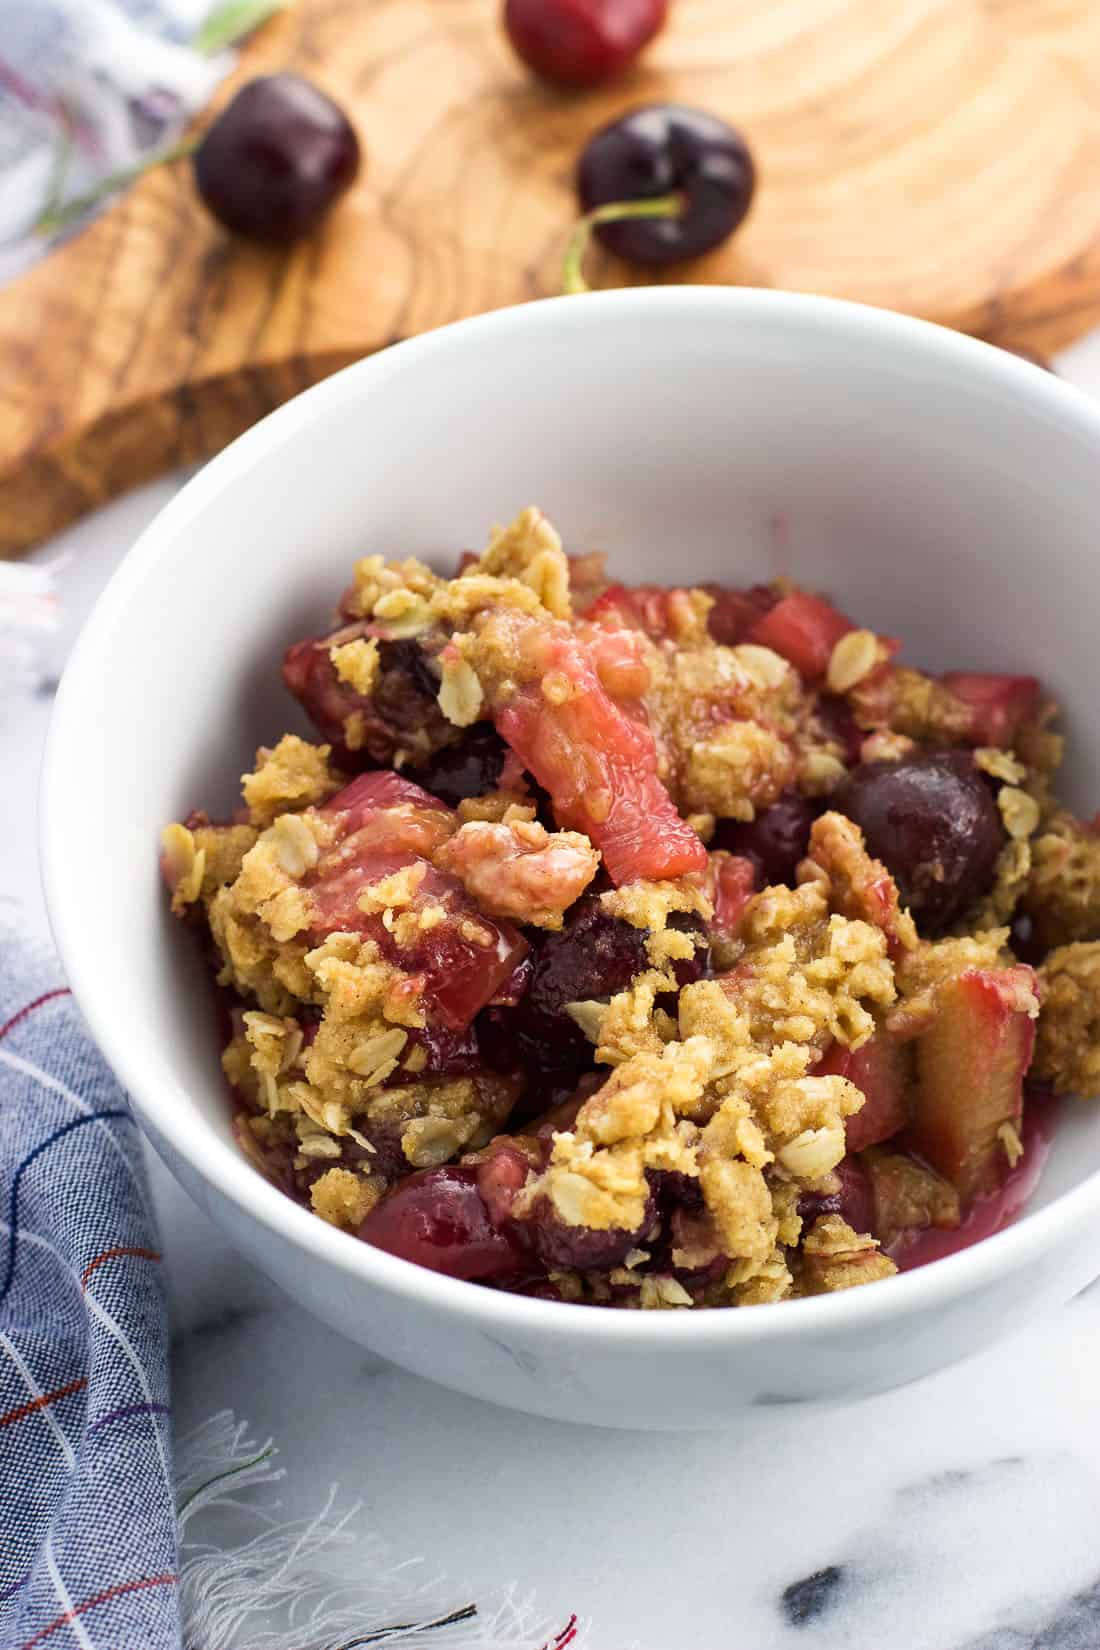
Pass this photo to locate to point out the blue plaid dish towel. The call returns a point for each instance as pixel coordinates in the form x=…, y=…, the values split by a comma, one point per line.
x=93, y=1511
x=87, y=1518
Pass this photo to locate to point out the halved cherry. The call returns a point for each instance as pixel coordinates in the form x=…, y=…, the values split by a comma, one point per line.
x=438, y=1219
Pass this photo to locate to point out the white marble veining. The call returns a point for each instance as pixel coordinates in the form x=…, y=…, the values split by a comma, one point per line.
x=957, y=1514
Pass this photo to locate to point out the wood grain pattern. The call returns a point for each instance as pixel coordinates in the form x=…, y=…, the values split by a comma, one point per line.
x=1068, y=28
x=934, y=156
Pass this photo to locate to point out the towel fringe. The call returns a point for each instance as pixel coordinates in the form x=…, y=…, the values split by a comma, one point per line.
x=283, y=1588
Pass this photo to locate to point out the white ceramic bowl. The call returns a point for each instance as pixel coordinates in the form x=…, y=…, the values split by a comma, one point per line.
x=942, y=490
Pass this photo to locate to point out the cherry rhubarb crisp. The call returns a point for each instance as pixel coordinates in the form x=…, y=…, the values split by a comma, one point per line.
x=646, y=947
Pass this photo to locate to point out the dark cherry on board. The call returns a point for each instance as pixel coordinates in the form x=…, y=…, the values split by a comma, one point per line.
x=581, y=42
x=665, y=149
x=276, y=158
x=933, y=821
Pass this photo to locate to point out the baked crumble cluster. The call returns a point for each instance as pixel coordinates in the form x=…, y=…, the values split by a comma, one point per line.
x=655, y=948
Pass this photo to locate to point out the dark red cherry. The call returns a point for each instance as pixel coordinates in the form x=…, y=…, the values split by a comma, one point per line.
x=581, y=42
x=581, y=1247
x=933, y=821
x=276, y=158
x=851, y=1198
x=666, y=149
x=594, y=955
x=775, y=840
x=437, y=1219
x=469, y=767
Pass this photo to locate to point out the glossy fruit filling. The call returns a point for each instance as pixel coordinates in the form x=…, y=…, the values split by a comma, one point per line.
x=650, y=947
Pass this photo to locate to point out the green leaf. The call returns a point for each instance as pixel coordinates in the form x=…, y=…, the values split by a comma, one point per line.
x=231, y=21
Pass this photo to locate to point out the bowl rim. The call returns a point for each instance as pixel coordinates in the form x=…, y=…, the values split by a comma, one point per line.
x=162, y=1100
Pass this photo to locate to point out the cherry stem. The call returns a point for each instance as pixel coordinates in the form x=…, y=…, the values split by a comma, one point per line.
x=59, y=217
x=224, y=27
x=654, y=206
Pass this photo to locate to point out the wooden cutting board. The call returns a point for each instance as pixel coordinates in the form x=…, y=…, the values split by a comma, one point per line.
x=935, y=156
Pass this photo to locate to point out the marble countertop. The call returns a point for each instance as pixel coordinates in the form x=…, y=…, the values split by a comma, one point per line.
x=958, y=1514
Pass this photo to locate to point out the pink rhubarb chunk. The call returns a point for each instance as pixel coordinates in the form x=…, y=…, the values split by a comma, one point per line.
x=803, y=629
x=883, y=1070
x=999, y=705
x=600, y=767
x=971, y=1064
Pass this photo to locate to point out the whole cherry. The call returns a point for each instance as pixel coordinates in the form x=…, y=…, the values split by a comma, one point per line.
x=581, y=42
x=276, y=158
x=932, y=819
x=666, y=152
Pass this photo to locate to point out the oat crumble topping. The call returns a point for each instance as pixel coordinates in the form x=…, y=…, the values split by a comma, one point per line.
x=560, y=935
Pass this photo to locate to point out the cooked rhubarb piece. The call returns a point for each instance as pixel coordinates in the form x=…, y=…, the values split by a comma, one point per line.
x=421, y=918
x=462, y=960
x=909, y=1196
x=971, y=1064
x=381, y=815
x=660, y=612
x=999, y=705
x=804, y=630
x=883, y=1071
x=373, y=793
x=619, y=653
x=731, y=882
x=674, y=613
x=996, y=1209
x=599, y=766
